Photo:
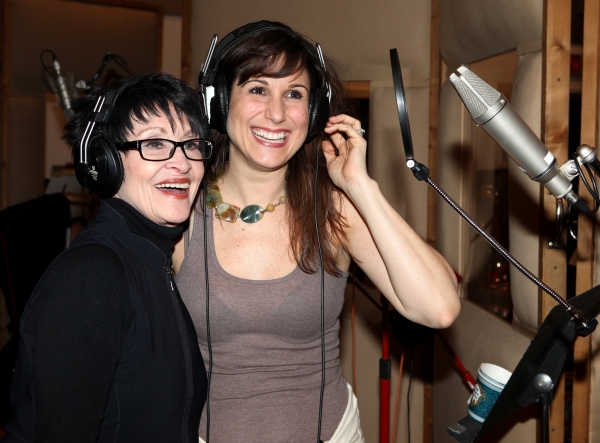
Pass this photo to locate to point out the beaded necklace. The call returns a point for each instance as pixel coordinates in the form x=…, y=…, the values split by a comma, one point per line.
x=230, y=213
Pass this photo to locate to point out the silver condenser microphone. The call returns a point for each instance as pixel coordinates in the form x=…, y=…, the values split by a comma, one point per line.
x=491, y=110
x=62, y=91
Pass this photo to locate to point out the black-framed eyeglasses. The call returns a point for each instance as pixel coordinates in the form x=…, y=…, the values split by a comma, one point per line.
x=160, y=149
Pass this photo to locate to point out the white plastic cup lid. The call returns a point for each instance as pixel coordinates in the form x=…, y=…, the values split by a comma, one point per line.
x=494, y=373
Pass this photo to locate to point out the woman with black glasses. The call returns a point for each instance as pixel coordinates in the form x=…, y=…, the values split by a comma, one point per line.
x=108, y=351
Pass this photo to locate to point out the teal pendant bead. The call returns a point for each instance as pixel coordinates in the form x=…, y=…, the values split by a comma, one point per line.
x=252, y=214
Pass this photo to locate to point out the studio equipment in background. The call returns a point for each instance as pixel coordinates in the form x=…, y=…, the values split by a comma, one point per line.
x=538, y=371
x=61, y=86
x=491, y=110
x=98, y=164
x=464, y=372
x=81, y=84
x=409, y=334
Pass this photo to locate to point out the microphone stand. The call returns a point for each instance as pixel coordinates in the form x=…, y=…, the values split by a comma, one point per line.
x=537, y=373
x=421, y=172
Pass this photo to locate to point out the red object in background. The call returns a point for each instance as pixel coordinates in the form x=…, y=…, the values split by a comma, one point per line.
x=466, y=375
x=385, y=370
x=576, y=65
x=458, y=277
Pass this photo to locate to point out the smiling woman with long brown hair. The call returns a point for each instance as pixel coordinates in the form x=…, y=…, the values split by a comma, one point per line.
x=263, y=249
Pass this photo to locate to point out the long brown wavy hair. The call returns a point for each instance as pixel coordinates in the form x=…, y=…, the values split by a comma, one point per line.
x=278, y=53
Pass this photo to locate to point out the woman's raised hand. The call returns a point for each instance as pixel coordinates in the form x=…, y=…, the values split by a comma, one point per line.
x=349, y=166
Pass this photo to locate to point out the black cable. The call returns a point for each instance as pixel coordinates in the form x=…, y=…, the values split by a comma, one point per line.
x=593, y=192
x=98, y=72
x=122, y=63
x=410, y=377
x=44, y=64
x=209, y=375
x=107, y=58
x=322, y=301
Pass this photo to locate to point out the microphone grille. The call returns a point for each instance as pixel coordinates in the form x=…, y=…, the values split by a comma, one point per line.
x=477, y=95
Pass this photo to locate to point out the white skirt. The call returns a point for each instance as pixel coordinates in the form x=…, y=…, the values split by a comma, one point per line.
x=348, y=431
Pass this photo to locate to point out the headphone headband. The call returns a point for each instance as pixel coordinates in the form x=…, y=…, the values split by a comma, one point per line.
x=216, y=54
x=111, y=93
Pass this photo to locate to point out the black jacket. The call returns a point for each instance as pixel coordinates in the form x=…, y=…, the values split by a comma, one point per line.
x=111, y=298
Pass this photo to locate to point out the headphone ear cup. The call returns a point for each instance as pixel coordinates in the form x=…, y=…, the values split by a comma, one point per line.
x=106, y=166
x=219, y=105
x=318, y=114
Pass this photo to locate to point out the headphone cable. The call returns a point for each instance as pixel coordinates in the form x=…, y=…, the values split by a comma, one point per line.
x=410, y=378
x=209, y=376
x=322, y=301
x=46, y=68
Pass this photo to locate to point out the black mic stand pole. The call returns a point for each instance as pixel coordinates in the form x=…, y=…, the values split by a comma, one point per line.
x=421, y=172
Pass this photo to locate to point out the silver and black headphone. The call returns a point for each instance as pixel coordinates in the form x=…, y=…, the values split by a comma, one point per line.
x=98, y=164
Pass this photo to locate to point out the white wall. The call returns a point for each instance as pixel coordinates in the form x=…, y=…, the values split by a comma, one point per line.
x=171, y=50
x=356, y=33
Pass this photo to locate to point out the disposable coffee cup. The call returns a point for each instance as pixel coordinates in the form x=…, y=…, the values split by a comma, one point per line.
x=491, y=379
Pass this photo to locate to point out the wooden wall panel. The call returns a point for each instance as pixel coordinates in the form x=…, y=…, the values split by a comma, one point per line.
x=555, y=131
x=186, y=43
x=585, y=226
x=434, y=98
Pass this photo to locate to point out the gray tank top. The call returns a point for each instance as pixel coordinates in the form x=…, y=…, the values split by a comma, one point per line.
x=266, y=349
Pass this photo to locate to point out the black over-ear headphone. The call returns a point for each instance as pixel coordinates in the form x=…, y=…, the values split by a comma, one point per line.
x=98, y=164
x=215, y=90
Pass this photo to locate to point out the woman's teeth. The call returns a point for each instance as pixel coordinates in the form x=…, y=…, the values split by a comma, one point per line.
x=276, y=137
x=173, y=185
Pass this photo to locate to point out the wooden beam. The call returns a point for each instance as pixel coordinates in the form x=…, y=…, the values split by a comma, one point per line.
x=357, y=89
x=585, y=225
x=186, y=42
x=4, y=100
x=435, y=72
x=435, y=68
x=555, y=131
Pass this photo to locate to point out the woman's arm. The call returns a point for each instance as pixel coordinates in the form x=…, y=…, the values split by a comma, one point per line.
x=414, y=277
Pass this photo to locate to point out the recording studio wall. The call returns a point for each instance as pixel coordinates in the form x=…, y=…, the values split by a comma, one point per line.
x=80, y=34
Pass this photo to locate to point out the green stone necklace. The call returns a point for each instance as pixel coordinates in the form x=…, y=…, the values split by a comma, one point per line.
x=230, y=213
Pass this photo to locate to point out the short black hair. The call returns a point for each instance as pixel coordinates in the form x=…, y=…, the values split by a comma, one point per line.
x=151, y=95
